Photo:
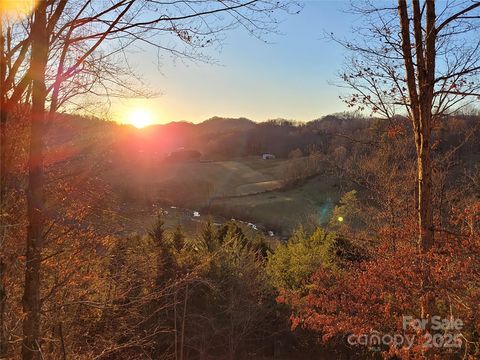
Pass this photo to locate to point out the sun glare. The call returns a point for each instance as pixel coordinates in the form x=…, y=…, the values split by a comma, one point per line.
x=140, y=118
x=17, y=8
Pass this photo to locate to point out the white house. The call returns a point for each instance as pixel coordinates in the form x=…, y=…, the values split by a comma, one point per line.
x=268, y=156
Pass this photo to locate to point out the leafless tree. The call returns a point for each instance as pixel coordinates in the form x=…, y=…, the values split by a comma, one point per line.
x=422, y=58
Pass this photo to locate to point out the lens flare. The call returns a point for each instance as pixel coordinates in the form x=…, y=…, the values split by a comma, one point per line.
x=17, y=8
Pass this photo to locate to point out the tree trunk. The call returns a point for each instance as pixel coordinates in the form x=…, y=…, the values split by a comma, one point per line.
x=3, y=298
x=3, y=123
x=184, y=316
x=424, y=183
x=35, y=192
x=175, y=323
x=425, y=223
x=420, y=77
x=425, y=170
x=420, y=81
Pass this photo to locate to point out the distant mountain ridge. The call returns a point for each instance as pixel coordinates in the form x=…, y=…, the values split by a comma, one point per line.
x=220, y=137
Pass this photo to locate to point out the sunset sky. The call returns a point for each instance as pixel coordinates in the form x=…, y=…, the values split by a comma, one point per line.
x=288, y=78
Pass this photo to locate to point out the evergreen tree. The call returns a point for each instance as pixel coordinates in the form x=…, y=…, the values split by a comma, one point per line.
x=178, y=239
x=347, y=212
x=209, y=238
x=165, y=260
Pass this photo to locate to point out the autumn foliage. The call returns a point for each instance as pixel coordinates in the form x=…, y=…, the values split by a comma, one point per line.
x=375, y=295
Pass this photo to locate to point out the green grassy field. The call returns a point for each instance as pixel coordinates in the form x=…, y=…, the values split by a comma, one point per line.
x=283, y=210
x=195, y=183
x=228, y=178
x=247, y=189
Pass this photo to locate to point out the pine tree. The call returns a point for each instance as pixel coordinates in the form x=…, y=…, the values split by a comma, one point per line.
x=209, y=236
x=178, y=238
x=346, y=212
x=165, y=259
x=157, y=232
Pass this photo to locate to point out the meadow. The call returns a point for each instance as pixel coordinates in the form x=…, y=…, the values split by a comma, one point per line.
x=248, y=189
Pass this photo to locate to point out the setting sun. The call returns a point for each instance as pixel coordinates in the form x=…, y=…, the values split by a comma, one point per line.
x=17, y=7
x=140, y=118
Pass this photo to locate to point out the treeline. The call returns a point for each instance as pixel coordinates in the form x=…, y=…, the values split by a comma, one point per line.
x=224, y=138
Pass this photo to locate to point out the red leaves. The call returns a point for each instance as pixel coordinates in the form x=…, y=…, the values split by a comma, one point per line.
x=376, y=294
x=395, y=131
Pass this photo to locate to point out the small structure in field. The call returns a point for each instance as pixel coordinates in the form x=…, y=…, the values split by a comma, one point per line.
x=268, y=156
x=182, y=154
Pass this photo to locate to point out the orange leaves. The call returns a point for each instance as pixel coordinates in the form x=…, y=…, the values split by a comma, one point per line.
x=377, y=293
x=396, y=130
